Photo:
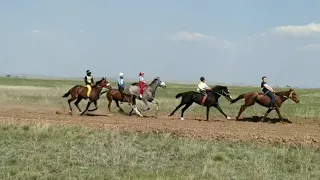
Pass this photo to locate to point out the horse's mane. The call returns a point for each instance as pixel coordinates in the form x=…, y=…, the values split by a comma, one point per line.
x=98, y=82
x=135, y=83
x=282, y=93
x=218, y=87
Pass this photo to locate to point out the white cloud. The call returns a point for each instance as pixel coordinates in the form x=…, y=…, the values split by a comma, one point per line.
x=310, y=47
x=35, y=31
x=189, y=36
x=296, y=30
x=196, y=36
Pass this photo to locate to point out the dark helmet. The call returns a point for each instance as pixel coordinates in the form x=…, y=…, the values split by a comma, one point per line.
x=202, y=78
x=88, y=71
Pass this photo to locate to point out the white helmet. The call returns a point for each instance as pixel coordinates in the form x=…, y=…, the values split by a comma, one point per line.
x=121, y=74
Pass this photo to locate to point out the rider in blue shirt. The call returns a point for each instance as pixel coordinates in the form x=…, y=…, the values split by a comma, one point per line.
x=120, y=83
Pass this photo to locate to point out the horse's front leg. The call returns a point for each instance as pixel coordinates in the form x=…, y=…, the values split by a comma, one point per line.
x=95, y=104
x=157, y=104
x=279, y=114
x=219, y=108
x=88, y=105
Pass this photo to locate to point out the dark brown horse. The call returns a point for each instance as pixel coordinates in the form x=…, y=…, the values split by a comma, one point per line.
x=251, y=98
x=116, y=95
x=80, y=92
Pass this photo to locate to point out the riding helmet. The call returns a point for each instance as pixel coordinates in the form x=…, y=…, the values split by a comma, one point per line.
x=202, y=78
x=141, y=73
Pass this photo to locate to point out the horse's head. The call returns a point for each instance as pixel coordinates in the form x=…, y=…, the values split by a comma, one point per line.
x=103, y=83
x=292, y=95
x=159, y=82
x=222, y=90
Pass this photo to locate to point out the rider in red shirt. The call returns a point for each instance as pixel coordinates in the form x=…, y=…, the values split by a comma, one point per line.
x=141, y=84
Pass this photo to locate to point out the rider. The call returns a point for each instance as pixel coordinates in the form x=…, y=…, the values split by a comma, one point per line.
x=202, y=88
x=88, y=79
x=120, y=83
x=267, y=90
x=142, y=84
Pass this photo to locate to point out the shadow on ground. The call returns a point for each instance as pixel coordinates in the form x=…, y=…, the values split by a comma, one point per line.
x=266, y=120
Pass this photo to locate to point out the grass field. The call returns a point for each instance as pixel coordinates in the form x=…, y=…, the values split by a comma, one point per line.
x=33, y=148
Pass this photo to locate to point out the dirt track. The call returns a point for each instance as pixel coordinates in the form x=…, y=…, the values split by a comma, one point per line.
x=299, y=132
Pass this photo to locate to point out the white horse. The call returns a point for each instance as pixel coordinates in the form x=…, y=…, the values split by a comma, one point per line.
x=131, y=92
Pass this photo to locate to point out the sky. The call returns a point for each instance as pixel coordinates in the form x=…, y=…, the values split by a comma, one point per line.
x=225, y=41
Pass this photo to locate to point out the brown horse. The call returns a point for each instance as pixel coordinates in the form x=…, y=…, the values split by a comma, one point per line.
x=80, y=92
x=116, y=95
x=251, y=98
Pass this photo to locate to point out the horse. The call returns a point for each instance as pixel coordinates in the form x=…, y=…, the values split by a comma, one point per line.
x=252, y=97
x=132, y=92
x=80, y=92
x=116, y=95
x=189, y=97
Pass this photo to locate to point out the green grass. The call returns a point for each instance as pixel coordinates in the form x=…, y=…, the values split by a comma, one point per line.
x=42, y=151
x=48, y=93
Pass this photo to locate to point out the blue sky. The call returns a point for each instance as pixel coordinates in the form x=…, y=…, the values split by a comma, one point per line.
x=225, y=41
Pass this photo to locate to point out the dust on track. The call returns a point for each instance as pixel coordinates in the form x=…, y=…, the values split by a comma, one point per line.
x=304, y=132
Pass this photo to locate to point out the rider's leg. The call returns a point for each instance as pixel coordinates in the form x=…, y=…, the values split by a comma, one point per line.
x=89, y=90
x=272, y=99
x=142, y=86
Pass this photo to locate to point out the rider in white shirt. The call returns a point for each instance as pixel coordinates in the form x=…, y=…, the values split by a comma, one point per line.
x=202, y=86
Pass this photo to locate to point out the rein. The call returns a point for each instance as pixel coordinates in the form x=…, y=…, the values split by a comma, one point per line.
x=288, y=97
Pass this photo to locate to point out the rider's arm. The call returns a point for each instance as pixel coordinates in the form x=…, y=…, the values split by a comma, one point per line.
x=86, y=80
x=268, y=87
x=206, y=87
x=92, y=81
x=141, y=79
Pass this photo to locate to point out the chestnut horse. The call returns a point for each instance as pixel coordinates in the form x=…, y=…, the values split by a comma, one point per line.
x=80, y=92
x=251, y=98
x=116, y=95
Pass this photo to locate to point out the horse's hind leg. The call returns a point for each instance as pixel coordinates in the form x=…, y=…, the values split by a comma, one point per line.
x=95, y=104
x=242, y=108
x=109, y=104
x=134, y=105
x=178, y=107
x=77, y=103
x=117, y=103
x=69, y=102
x=265, y=115
x=185, y=108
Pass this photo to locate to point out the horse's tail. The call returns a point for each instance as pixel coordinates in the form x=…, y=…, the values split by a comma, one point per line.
x=241, y=96
x=181, y=94
x=66, y=94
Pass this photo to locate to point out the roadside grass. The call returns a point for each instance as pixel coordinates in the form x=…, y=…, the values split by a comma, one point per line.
x=43, y=151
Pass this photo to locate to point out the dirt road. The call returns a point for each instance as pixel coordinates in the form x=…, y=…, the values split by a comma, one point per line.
x=299, y=132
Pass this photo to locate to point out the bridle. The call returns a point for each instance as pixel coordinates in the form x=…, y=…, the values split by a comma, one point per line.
x=290, y=95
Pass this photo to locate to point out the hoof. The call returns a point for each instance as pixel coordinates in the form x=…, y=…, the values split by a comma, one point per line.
x=228, y=117
x=182, y=118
